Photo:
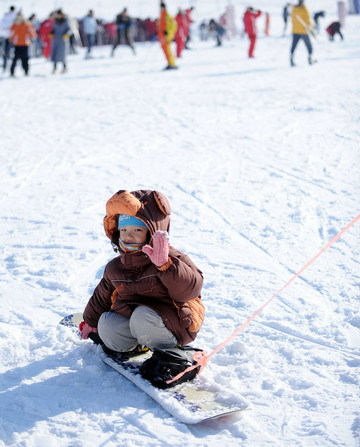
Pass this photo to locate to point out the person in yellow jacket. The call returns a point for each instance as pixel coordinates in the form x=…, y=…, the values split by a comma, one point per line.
x=166, y=29
x=301, y=27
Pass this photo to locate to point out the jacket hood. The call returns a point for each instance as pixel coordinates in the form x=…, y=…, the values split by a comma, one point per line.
x=152, y=207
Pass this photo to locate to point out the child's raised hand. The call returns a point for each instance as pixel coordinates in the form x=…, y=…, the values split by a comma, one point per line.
x=159, y=252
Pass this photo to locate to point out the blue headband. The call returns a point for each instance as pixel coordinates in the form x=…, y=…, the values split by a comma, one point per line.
x=126, y=221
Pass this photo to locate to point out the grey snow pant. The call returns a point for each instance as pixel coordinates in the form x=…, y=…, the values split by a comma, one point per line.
x=144, y=327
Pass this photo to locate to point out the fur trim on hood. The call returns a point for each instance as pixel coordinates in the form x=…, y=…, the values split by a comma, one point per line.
x=152, y=207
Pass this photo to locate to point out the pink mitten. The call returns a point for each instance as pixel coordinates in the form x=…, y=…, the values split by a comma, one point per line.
x=159, y=252
x=85, y=330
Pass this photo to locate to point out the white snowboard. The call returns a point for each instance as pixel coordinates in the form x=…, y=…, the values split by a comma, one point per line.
x=188, y=402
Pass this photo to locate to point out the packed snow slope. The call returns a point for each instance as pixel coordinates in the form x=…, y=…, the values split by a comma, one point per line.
x=260, y=164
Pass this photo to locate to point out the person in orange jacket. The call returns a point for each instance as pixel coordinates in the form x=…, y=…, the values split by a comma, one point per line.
x=21, y=33
x=250, y=16
x=166, y=29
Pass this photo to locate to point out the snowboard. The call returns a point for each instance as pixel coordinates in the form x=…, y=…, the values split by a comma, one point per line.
x=189, y=402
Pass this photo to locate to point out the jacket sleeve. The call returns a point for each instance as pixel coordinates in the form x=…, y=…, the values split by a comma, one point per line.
x=307, y=18
x=32, y=32
x=182, y=279
x=171, y=27
x=100, y=301
x=66, y=29
x=12, y=33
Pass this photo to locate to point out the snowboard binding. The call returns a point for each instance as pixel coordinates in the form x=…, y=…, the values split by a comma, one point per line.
x=165, y=364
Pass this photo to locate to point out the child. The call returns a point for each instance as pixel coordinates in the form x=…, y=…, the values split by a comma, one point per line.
x=150, y=294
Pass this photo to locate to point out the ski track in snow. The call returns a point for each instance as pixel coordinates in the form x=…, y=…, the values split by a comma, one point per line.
x=260, y=165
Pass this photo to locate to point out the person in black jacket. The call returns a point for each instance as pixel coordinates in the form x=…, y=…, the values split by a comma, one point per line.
x=317, y=16
x=285, y=15
x=334, y=28
x=123, y=37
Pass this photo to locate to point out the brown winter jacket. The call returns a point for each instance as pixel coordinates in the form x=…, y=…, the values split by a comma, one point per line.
x=131, y=279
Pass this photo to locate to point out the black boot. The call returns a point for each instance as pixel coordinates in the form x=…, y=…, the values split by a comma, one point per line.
x=95, y=338
x=125, y=355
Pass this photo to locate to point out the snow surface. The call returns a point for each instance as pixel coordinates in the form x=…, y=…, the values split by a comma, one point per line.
x=260, y=164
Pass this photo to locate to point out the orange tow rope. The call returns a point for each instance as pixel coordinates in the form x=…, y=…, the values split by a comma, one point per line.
x=201, y=358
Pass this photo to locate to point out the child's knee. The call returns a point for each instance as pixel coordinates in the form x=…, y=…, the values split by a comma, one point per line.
x=144, y=315
x=114, y=331
x=148, y=328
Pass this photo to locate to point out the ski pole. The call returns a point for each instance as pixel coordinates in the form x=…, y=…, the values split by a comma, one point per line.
x=306, y=26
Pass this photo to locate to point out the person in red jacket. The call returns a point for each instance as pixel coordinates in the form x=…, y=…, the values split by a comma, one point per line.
x=188, y=22
x=21, y=34
x=44, y=33
x=180, y=36
x=250, y=16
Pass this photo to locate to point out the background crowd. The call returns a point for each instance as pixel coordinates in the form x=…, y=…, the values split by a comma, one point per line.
x=60, y=34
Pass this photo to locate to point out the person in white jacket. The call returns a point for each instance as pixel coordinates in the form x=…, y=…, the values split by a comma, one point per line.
x=5, y=25
x=90, y=28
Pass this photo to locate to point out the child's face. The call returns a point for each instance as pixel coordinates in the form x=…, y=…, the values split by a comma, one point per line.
x=133, y=234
